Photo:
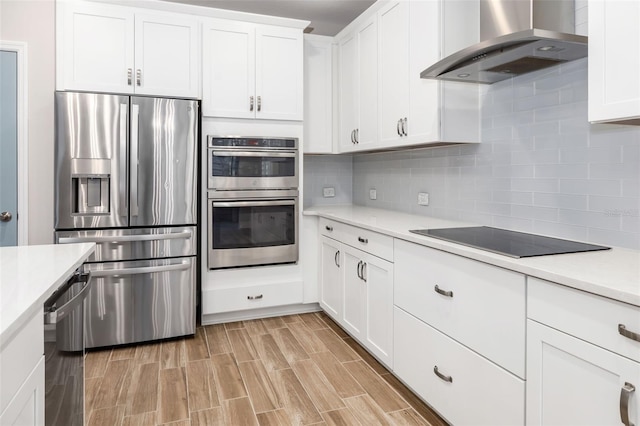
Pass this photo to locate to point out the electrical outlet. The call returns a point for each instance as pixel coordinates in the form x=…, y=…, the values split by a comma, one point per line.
x=373, y=194
x=423, y=198
x=329, y=192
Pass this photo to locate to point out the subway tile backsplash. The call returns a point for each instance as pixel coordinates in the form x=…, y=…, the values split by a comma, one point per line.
x=541, y=167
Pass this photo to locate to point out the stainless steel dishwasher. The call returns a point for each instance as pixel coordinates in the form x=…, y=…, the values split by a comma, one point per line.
x=64, y=352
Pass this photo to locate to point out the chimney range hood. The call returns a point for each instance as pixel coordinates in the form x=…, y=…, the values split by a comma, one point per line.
x=517, y=37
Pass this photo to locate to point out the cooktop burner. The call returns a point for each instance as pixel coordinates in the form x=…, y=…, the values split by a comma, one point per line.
x=509, y=243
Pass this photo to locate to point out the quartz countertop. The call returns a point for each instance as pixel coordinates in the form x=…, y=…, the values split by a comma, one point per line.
x=29, y=274
x=611, y=273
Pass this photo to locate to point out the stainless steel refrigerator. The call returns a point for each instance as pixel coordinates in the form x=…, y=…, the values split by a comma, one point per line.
x=126, y=178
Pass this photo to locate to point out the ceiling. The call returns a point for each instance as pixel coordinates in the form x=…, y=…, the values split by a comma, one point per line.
x=327, y=17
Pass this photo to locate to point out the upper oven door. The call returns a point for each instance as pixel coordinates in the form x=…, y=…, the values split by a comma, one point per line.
x=259, y=169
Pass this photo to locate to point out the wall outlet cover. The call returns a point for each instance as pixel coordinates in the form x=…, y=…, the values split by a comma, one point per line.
x=373, y=194
x=329, y=192
x=423, y=198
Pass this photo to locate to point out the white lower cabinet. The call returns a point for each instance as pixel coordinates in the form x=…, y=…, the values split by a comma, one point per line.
x=356, y=287
x=573, y=382
x=27, y=406
x=464, y=387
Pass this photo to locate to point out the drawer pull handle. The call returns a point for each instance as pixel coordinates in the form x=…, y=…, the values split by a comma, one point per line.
x=625, y=396
x=328, y=228
x=622, y=329
x=443, y=377
x=364, y=271
x=363, y=240
x=359, y=271
x=443, y=292
x=254, y=297
x=335, y=258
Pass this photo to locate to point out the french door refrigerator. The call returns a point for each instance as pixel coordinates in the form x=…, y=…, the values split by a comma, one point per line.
x=126, y=179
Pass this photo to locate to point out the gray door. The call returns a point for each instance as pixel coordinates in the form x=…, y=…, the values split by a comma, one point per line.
x=163, y=161
x=8, y=148
x=91, y=161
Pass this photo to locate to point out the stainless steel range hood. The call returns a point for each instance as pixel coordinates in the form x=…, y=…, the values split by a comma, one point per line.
x=517, y=37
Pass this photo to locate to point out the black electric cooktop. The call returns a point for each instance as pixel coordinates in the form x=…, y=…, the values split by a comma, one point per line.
x=509, y=243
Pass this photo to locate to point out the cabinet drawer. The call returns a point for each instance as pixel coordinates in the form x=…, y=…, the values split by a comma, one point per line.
x=479, y=393
x=251, y=297
x=586, y=316
x=479, y=305
x=369, y=241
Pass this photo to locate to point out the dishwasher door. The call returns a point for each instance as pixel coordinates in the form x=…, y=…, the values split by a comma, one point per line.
x=140, y=300
x=64, y=353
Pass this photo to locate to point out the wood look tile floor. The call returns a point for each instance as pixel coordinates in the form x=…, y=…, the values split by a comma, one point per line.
x=291, y=370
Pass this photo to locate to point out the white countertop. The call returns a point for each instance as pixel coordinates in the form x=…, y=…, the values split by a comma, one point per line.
x=29, y=274
x=611, y=273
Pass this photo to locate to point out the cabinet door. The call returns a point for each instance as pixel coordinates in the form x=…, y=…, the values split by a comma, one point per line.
x=378, y=279
x=332, y=262
x=97, y=45
x=354, y=295
x=367, y=130
x=167, y=56
x=614, y=86
x=229, y=70
x=279, y=73
x=348, y=69
x=572, y=382
x=27, y=405
x=318, y=91
x=393, y=63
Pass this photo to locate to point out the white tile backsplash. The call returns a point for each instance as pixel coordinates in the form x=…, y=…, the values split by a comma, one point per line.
x=321, y=171
x=541, y=167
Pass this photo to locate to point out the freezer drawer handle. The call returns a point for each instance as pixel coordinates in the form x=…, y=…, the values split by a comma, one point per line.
x=625, y=396
x=54, y=315
x=446, y=293
x=142, y=270
x=622, y=329
x=258, y=297
x=127, y=238
x=442, y=376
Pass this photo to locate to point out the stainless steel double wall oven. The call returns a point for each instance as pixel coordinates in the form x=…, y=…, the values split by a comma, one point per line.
x=252, y=205
x=126, y=178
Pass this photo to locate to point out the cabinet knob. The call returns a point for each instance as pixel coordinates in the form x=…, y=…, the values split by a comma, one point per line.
x=328, y=228
x=363, y=240
x=259, y=296
x=443, y=292
x=622, y=329
x=442, y=376
x=625, y=396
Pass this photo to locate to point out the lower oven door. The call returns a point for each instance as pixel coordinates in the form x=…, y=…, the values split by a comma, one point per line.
x=140, y=300
x=252, y=232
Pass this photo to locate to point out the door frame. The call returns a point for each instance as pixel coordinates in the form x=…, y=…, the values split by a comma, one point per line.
x=23, y=140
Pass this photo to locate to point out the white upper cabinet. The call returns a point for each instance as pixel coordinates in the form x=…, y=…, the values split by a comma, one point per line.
x=167, y=55
x=394, y=106
x=614, y=61
x=318, y=94
x=252, y=71
x=358, y=76
x=107, y=48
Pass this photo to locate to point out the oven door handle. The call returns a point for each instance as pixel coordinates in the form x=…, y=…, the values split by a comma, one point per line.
x=287, y=154
x=254, y=203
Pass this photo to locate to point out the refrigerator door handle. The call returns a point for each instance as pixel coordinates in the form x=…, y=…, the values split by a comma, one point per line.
x=135, y=114
x=141, y=270
x=122, y=193
x=127, y=238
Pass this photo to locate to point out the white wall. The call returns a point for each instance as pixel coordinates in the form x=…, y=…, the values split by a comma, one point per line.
x=33, y=22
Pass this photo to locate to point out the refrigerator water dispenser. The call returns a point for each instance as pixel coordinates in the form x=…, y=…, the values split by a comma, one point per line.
x=90, y=180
